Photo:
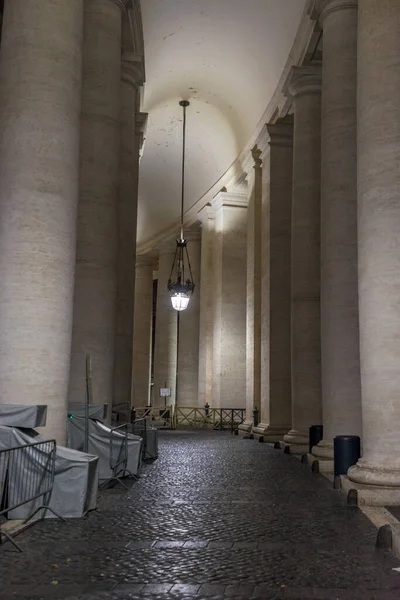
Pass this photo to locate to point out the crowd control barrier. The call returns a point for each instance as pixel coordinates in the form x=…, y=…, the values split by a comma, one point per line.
x=26, y=475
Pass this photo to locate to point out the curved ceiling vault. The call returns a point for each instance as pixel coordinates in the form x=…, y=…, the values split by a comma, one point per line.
x=226, y=57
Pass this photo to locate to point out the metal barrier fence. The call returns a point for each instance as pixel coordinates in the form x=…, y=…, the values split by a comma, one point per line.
x=162, y=418
x=194, y=417
x=215, y=418
x=119, y=455
x=139, y=427
x=26, y=476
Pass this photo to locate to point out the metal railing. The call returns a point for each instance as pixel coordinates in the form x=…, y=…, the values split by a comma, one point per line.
x=194, y=417
x=27, y=475
x=162, y=418
x=119, y=455
x=215, y=418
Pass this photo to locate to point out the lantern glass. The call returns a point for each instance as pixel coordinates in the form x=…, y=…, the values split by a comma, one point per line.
x=180, y=301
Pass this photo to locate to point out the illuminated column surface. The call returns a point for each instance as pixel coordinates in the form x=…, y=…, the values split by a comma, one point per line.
x=40, y=87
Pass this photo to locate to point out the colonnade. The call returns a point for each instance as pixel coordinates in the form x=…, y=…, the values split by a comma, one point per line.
x=343, y=241
x=296, y=261
x=70, y=140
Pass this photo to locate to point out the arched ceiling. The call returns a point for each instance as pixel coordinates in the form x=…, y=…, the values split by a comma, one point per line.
x=226, y=57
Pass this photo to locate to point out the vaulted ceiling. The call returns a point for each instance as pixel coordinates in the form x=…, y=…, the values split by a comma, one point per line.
x=226, y=58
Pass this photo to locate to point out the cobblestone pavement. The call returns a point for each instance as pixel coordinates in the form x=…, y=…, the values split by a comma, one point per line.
x=215, y=517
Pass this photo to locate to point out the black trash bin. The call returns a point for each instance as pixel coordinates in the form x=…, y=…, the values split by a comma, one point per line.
x=346, y=451
x=316, y=434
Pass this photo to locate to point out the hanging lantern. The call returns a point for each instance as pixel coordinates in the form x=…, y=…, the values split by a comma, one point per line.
x=180, y=284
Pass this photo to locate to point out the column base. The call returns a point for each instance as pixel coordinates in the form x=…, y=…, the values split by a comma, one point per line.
x=269, y=433
x=369, y=495
x=321, y=459
x=295, y=442
x=375, y=475
x=297, y=449
x=323, y=450
x=245, y=429
x=320, y=465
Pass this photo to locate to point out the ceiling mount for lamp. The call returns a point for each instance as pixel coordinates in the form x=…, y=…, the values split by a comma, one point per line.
x=181, y=285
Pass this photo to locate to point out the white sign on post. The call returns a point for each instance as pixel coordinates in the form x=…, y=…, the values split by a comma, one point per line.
x=165, y=392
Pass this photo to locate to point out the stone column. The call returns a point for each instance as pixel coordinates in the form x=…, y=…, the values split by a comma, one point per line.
x=142, y=330
x=40, y=88
x=188, y=357
x=253, y=297
x=230, y=267
x=206, y=217
x=378, y=250
x=304, y=85
x=127, y=219
x=276, y=412
x=340, y=356
x=165, y=351
x=95, y=278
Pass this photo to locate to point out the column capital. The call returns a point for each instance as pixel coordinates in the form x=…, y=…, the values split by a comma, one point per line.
x=141, y=119
x=132, y=69
x=280, y=133
x=303, y=80
x=141, y=123
x=145, y=260
x=206, y=214
x=323, y=8
x=229, y=199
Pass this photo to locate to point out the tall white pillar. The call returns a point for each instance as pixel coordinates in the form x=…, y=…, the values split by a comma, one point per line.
x=276, y=411
x=206, y=216
x=96, y=260
x=230, y=270
x=142, y=332
x=304, y=85
x=127, y=220
x=378, y=250
x=165, y=351
x=253, y=296
x=40, y=89
x=189, y=329
x=341, y=387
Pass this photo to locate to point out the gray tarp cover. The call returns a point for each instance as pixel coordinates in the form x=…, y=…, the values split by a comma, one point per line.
x=151, y=443
x=99, y=444
x=19, y=415
x=151, y=440
x=76, y=477
x=96, y=411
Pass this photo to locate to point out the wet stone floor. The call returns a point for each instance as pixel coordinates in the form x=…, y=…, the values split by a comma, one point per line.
x=215, y=517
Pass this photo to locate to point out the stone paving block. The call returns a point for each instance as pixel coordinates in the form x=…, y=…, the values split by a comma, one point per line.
x=156, y=588
x=212, y=590
x=185, y=589
x=168, y=544
x=245, y=590
x=240, y=545
x=196, y=544
x=221, y=544
x=139, y=544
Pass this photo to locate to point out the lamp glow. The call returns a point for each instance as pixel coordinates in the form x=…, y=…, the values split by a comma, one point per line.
x=180, y=301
